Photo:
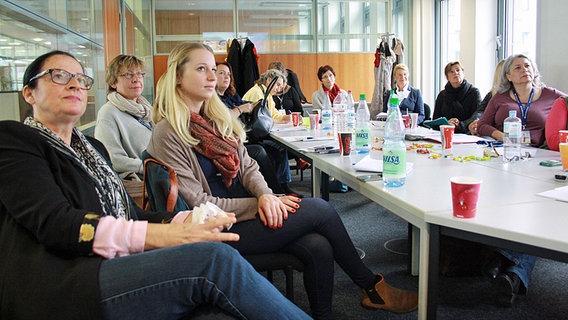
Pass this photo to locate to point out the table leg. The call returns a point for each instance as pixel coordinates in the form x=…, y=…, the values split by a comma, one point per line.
x=433, y=268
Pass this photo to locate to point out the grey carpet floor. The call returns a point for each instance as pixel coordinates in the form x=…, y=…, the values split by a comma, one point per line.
x=382, y=236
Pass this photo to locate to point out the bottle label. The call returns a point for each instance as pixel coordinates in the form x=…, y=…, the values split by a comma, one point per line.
x=514, y=129
x=362, y=137
x=394, y=162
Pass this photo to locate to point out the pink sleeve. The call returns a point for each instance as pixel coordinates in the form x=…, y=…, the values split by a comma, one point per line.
x=181, y=216
x=119, y=237
x=556, y=121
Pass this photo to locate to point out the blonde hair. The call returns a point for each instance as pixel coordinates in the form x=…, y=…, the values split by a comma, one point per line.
x=170, y=106
x=497, y=77
x=400, y=66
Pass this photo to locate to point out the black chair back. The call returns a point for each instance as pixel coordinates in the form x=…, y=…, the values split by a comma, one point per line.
x=427, y=112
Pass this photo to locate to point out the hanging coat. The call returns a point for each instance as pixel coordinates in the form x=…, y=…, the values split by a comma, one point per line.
x=249, y=70
x=234, y=58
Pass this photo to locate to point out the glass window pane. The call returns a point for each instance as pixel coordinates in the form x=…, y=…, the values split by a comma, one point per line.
x=23, y=37
x=202, y=20
x=81, y=16
x=350, y=26
x=277, y=26
x=450, y=36
x=138, y=39
x=521, y=33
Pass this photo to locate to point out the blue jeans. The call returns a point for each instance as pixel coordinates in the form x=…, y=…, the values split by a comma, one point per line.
x=317, y=236
x=169, y=283
x=522, y=265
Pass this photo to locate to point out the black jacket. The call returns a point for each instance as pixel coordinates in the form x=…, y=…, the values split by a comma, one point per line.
x=458, y=103
x=45, y=271
x=289, y=100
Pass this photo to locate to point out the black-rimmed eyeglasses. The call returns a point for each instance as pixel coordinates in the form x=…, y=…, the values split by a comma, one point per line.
x=130, y=75
x=62, y=77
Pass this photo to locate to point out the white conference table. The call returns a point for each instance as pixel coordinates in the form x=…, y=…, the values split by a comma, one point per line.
x=425, y=202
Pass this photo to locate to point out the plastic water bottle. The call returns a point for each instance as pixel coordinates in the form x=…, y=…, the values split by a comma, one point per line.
x=512, y=128
x=363, y=126
x=326, y=114
x=351, y=120
x=340, y=112
x=394, y=148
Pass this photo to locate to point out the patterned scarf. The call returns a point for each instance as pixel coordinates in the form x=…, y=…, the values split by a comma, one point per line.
x=111, y=191
x=141, y=109
x=222, y=152
x=335, y=90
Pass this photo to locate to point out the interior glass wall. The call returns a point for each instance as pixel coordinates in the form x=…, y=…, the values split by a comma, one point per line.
x=31, y=28
x=275, y=26
x=137, y=29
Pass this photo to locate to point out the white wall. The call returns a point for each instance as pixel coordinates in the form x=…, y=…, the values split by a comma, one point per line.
x=552, y=43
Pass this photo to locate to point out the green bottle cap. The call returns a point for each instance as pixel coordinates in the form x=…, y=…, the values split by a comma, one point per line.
x=362, y=96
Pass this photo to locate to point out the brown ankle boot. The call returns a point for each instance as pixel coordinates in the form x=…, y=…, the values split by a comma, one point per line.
x=383, y=296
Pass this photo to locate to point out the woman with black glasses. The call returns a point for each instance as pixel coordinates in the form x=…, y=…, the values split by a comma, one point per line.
x=73, y=245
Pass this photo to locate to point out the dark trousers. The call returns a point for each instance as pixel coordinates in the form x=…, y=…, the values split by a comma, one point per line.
x=266, y=167
x=317, y=236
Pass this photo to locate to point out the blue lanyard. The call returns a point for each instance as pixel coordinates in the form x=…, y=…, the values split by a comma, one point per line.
x=524, y=110
x=148, y=125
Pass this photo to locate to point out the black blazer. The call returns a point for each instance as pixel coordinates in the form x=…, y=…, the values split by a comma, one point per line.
x=459, y=103
x=45, y=271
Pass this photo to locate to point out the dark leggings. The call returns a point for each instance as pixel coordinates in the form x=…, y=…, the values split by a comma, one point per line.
x=317, y=236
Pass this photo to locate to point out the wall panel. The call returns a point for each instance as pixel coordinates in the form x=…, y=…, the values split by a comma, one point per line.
x=111, y=29
x=353, y=71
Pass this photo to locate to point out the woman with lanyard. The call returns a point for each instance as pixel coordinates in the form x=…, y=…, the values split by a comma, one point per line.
x=520, y=89
x=124, y=123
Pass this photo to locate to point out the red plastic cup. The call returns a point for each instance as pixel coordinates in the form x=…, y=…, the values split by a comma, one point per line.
x=447, y=135
x=344, y=143
x=406, y=119
x=295, y=118
x=314, y=120
x=465, y=193
x=317, y=113
x=562, y=136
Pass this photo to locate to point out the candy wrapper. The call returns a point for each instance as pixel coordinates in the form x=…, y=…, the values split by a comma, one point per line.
x=207, y=211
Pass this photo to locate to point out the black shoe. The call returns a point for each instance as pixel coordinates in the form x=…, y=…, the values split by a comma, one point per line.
x=289, y=192
x=506, y=288
x=497, y=264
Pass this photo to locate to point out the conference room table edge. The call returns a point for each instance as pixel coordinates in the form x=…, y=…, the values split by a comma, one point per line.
x=432, y=224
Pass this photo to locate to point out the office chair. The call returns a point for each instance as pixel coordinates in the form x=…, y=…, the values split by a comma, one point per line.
x=427, y=112
x=161, y=193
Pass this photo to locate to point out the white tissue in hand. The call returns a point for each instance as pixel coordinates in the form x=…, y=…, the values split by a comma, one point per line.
x=207, y=211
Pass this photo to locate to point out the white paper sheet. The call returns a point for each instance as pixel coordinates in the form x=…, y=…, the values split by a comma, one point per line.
x=560, y=194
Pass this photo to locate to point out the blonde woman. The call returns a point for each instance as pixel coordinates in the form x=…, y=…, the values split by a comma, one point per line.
x=410, y=98
x=196, y=135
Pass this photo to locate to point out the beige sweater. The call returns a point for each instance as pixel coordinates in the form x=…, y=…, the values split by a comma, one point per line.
x=167, y=147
